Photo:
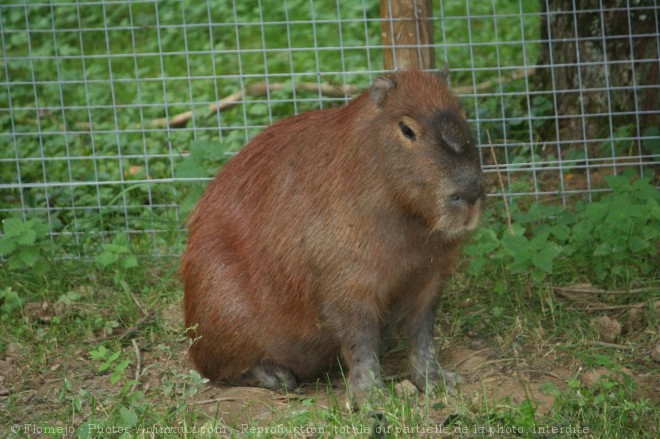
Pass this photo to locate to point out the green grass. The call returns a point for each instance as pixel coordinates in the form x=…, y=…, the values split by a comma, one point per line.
x=66, y=379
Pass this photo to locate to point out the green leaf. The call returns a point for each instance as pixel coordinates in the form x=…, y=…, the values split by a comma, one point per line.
x=596, y=212
x=41, y=228
x=9, y=301
x=28, y=255
x=487, y=240
x=258, y=110
x=129, y=261
x=127, y=418
x=561, y=232
x=115, y=248
x=189, y=168
x=84, y=430
x=544, y=258
x=190, y=200
x=477, y=264
x=114, y=356
x=637, y=244
x=518, y=247
x=603, y=360
x=14, y=262
x=13, y=227
x=538, y=275
x=119, y=370
x=40, y=266
x=28, y=237
x=518, y=230
x=603, y=249
x=654, y=208
x=618, y=183
x=515, y=243
x=651, y=232
x=205, y=150
x=551, y=389
x=7, y=246
x=99, y=353
x=518, y=267
x=540, y=240
x=69, y=297
x=107, y=258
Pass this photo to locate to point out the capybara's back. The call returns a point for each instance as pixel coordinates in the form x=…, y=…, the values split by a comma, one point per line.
x=328, y=228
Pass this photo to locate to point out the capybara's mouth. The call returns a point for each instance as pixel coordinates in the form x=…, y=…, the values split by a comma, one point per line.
x=472, y=218
x=464, y=221
x=459, y=224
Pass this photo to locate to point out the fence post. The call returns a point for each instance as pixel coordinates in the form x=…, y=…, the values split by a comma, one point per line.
x=407, y=23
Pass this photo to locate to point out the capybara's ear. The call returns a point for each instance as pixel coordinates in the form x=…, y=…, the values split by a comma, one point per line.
x=381, y=87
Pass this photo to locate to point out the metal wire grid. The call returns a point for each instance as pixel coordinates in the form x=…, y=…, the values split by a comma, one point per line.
x=78, y=139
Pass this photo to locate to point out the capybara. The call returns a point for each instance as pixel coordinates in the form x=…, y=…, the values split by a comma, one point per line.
x=326, y=231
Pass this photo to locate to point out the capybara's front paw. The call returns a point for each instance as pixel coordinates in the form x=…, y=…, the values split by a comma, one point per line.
x=437, y=380
x=366, y=398
x=365, y=391
x=449, y=381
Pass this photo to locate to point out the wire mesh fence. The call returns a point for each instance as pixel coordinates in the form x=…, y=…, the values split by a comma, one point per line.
x=114, y=114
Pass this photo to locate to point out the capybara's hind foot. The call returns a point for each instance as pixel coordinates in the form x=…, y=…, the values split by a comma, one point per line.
x=269, y=376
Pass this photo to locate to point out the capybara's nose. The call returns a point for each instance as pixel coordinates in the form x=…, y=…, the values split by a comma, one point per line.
x=469, y=194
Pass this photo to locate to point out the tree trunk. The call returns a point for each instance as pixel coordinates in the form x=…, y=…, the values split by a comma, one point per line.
x=600, y=63
x=407, y=34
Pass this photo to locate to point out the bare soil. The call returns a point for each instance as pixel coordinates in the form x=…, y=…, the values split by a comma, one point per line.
x=490, y=374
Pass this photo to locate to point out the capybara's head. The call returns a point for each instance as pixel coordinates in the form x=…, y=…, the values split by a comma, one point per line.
x=432, y=159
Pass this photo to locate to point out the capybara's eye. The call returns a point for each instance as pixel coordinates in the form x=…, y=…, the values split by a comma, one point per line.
x=405, y=129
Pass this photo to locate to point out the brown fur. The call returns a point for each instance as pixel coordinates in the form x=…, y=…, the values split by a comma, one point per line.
x=327, y=228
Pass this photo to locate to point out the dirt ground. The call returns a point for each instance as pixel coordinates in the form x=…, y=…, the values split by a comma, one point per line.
x=488, y=373
x=479, y=367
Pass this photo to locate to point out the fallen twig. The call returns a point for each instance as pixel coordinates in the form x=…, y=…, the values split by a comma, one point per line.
x=552, y=375
x=255, y=90
x=518, y=74
x=588, y=290
x=138, y=365
x=455, y=366
x=565, y=295
x=608, y=345
x=486, y=363
x=592, y=307
x=230, y=398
